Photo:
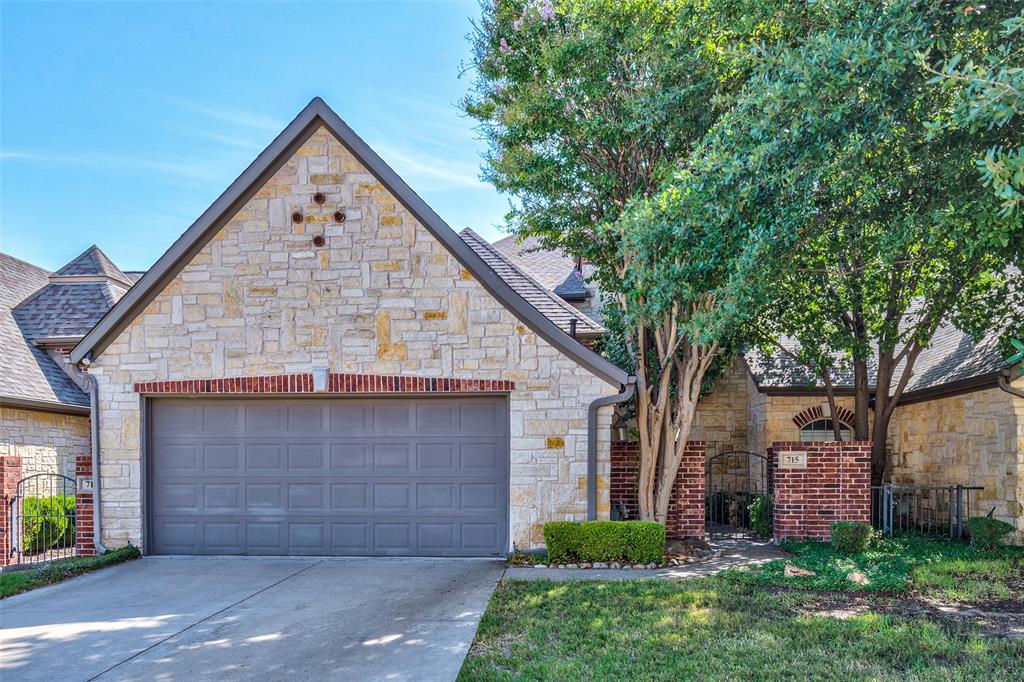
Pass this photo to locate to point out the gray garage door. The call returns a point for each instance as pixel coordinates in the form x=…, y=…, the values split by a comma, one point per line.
x=384, y=477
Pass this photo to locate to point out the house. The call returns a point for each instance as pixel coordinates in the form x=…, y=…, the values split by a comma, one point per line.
x=954, y=425
x=44, y=404
x=321, y=365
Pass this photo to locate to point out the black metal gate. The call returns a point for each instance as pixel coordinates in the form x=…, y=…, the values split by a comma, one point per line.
x=42, y=519
x=734, y=480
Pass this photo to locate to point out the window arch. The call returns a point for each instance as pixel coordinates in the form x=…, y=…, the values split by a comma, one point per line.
x=815, y=423
x=822, y=429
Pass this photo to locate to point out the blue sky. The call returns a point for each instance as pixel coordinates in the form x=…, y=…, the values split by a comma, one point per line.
x=122, y=122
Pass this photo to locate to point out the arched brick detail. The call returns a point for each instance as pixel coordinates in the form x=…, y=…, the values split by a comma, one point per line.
x=805, y=417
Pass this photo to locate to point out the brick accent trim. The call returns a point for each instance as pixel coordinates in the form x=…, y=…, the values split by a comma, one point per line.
x=84, y=539
x=686, y=508
x=805, y=417
x=835, y=486
x=336, y=383
x=10, y=474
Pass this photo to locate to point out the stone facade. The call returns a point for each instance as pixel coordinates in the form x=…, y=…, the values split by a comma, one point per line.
x=383, y=297
x=46, y=442
x=721, y=419
x=974, y=438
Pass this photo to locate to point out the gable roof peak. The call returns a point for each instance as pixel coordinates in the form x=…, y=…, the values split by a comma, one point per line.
x=315, y=115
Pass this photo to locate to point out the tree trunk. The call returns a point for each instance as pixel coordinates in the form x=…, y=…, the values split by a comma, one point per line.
x=861, y=399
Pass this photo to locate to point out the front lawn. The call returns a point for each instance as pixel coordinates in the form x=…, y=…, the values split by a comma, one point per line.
x=950, y=571
x=716, y=628
x=15, y=582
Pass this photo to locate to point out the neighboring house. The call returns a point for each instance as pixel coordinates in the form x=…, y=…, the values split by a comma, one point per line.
x=954, y=424
x=321, y=365
x=44, y=407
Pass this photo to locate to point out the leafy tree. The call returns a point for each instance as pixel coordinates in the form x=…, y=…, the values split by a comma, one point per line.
x=589, y=105
x=894, y=240
x=986, y=78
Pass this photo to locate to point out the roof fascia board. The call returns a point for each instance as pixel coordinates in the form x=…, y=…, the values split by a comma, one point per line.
x=315, y=114
x=43, y=406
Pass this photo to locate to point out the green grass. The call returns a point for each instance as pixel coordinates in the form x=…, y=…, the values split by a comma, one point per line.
x=950, y=570
x=714, y=629
x=16, y=582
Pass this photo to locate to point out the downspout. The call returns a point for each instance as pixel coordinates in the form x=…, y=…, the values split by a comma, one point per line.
x=1004, y=383
x=94, y=425
x=622, y=396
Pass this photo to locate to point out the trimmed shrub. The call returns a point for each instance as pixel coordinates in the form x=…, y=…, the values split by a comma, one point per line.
x=851, y=537
x=761, y=516
x=630, y=541
x=987, y=533
x=48, y=522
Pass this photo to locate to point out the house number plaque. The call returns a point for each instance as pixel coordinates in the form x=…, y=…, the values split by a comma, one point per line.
x=793, y=460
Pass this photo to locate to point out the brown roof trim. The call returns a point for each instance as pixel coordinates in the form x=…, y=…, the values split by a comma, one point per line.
x=311, y=118
x=969, y=385
x=978, y=383
x=43, y=406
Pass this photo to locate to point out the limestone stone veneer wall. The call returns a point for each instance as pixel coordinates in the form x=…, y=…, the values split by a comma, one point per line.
x=381, y=297
x=974, y=438
x=45, y=442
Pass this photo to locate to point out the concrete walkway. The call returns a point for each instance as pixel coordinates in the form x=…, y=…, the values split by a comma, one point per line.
x=735, y=553
x=243, y=618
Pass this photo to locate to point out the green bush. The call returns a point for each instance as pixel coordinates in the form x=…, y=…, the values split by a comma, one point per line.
x=630, y=541
x=850, y=537
x=761, y=516
x=985, y=532
x=48, y=522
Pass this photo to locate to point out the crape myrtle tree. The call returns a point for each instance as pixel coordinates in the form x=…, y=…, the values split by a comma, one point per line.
x=588, y=106
x=912, y=207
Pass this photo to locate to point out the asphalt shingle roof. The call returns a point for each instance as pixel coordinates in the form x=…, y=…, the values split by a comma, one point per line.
x=541, y=297
x=550, y=268
x=952, y=356
x=29, y=372
x=34, y=307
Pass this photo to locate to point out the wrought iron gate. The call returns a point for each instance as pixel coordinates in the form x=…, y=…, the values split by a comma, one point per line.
x=42, y=519
x=734, y=480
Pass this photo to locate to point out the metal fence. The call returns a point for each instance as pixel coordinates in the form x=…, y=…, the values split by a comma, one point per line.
x=42, y=519
x=932, y=510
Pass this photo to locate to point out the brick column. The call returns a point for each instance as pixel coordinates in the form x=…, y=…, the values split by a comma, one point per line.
x=817, y=483
x=84, y=540
x=10, y=474
x=686, y=508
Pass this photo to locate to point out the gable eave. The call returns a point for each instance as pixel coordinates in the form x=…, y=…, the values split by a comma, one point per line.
x=270, y=160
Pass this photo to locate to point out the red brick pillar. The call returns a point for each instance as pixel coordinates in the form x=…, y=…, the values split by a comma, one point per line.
x=817, y=483
x=624, y=476
x=686, y=508
x=10, y=474
x=84, y=540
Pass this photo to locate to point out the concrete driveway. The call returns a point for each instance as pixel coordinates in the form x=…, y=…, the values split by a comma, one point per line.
x=237, y=618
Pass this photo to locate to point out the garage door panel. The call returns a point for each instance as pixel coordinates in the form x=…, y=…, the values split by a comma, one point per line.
x=319, y=477
x=221, y=418
x=221, y=457
x=305, y=456
x=391, y=456
x=393, y=416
